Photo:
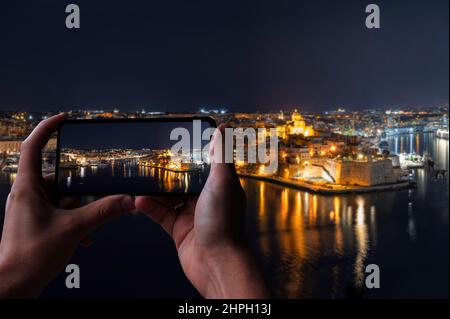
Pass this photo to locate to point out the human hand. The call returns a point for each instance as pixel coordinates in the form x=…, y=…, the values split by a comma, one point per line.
x=208, y=232
x=39, y=236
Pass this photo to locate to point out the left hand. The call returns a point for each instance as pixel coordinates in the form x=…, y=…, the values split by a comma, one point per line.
x=40, y=235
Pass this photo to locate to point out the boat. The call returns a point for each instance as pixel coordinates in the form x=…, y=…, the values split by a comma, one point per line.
x=411, y=161
x=10, y=168
x=47, y=167
x=426, y=157
x=99, y=164
x=442, y=133
x=374, y=140
x=84, y=164
x=68, y=165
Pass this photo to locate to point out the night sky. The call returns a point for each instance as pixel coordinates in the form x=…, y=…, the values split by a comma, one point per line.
x=136, y=135
x=170, y=55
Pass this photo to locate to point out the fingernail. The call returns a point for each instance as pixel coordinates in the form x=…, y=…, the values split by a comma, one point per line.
x=128, y=203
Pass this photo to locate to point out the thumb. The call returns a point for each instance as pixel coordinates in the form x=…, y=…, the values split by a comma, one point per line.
x=97, y=213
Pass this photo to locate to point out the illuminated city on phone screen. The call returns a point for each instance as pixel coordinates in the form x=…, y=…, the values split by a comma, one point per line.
x=127, y=157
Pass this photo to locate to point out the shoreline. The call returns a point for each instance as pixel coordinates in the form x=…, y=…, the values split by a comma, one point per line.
x=172, y=170
x=149, y=166
x=326, y=191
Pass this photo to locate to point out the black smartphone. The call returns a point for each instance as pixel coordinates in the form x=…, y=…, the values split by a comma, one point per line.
x=157, y=156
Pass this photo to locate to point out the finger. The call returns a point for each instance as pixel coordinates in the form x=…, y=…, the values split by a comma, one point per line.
x=217, y=153
x=95, y=214
x=158, y=211
x=30, y=152
x=169, y=201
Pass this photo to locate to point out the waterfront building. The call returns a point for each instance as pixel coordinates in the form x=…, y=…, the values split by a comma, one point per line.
x=13, y=146
x=294, y=155
x=10, y=147
x=363, y=171
x=297, y=125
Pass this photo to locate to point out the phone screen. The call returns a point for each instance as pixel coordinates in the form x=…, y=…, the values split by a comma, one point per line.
x=137, y=157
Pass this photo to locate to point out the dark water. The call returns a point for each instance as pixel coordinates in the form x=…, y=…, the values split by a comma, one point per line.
x=310, y=246
x=129, y=177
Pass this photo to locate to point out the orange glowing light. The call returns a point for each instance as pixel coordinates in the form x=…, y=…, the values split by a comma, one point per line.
x=332, y=215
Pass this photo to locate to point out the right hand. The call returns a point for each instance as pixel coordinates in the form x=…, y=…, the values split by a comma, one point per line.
x=209, y=235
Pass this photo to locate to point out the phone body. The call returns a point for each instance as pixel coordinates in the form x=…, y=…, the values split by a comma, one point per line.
x=132, y=156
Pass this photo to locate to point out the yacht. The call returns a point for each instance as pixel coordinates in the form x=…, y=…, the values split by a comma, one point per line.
x=10, y=168
x=68, y=163
x=409, y=161
x=442, y=133
x=47, y=167
x=99, y=164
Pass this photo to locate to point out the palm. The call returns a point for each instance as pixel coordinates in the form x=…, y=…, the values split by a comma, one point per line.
x=207, y=229
x=201, y=225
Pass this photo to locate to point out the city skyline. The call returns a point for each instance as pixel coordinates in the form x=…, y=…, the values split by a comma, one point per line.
x=331, y=167
x=349, y=185
x=240, y=56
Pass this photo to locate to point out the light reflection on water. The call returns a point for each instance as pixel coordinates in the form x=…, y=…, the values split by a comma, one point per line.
x=317, y=246
x=120, y=176
x=299, y=228
x=314, y=246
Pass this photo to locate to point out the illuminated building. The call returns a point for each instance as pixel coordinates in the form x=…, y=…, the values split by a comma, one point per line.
x=365, y=171
x=281, y=131
x=298, y=126
x=13, y=146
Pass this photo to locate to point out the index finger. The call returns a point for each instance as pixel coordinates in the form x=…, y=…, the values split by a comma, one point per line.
x=30, y=151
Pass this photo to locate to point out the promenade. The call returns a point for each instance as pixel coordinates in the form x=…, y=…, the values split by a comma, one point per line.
x=330, y=189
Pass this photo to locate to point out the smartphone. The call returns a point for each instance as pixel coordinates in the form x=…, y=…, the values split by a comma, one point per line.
x=157, y=156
